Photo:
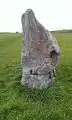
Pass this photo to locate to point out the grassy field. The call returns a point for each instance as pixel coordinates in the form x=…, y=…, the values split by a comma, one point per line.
x=17, y=103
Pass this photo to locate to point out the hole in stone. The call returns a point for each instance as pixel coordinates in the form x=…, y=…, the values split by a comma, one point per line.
x=50, y=75
x=30, y=71
x=52, y=54
x=54, y=57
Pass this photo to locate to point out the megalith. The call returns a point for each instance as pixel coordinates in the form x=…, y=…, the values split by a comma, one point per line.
x=40, y=53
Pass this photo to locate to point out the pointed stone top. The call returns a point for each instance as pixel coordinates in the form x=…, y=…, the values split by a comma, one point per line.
x=29, y=10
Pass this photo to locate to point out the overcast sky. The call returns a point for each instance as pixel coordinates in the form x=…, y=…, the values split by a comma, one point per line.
x=53, y=14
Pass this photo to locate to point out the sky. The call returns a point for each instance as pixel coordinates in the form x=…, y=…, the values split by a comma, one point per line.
x=53, y=14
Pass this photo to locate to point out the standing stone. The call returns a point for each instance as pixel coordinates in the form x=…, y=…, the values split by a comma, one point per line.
x=40, y=53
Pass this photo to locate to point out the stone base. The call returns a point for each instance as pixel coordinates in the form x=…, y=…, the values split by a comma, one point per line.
x=38, y=81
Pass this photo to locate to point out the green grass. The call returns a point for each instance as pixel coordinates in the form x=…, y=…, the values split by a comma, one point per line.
x=18, y=103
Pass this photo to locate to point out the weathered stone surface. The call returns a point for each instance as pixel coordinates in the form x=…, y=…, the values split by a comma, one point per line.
x=40, y=53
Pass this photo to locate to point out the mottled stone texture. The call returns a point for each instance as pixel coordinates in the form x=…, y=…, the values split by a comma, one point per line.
x=40, y=53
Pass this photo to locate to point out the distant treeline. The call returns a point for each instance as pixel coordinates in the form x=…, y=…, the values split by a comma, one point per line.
x=56, y=31
x=4, y=32
x=62, y=31
x=9, y=32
